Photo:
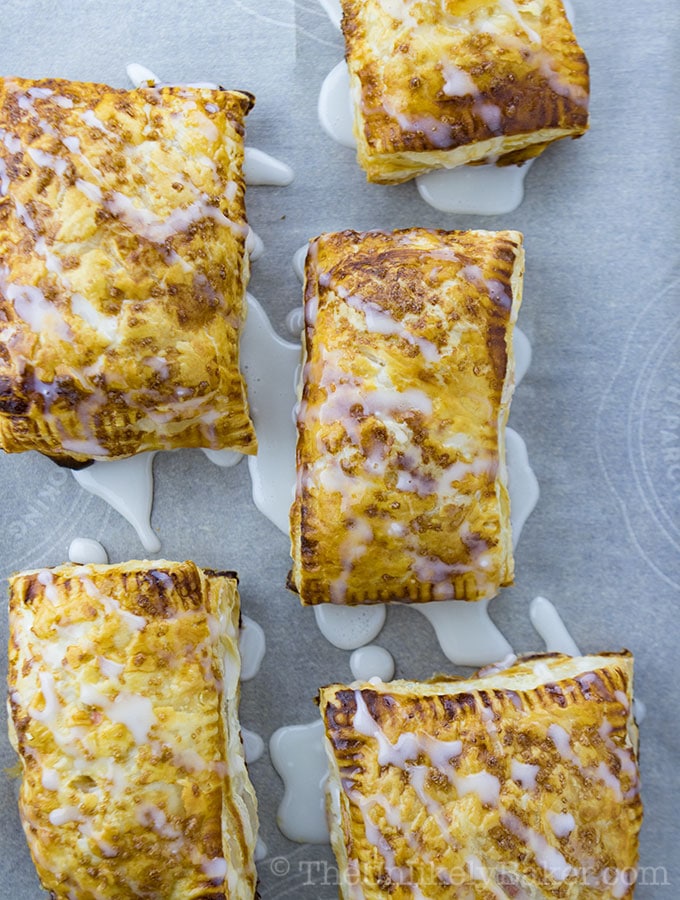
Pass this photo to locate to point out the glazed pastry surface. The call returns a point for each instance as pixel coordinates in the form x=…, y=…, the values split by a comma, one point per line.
x=123, y=695
x=405, y=391
x=522, y=783
x=122, y=269
x=444, y=84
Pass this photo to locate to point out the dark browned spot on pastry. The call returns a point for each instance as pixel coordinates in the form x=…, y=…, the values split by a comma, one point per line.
x=68, y=462
x=495, y=341
x=122, y=103
x=10, y=401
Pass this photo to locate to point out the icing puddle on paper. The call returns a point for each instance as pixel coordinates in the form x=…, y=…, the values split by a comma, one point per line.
x=477, y=190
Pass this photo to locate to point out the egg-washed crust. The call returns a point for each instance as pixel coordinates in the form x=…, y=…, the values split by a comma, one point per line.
x=123, y=700
x=406, y=385
x=536, y=795
x=122, y=269
x=443, y=84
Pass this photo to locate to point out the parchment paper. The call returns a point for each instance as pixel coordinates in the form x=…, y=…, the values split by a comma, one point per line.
x=599, y=408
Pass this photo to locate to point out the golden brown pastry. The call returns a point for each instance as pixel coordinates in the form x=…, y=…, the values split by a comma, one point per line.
x=444, y=84
x=123, y=694
x=406, y=385
x=122, y=269
x=519, y=784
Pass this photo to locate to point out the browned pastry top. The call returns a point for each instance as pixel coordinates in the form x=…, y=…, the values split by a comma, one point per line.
x=521, y=784
x=458, y=81
x=408, y=374
x=123, y=691
x=122, y=269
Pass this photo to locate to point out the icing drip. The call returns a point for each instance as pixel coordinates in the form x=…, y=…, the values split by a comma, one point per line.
x=127, y=486
x=298, y=756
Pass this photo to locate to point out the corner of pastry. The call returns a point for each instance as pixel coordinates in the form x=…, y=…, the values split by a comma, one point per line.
x=521, y=783
x=405, y=390
x=123, y=699
x=440, y=85
x=123, y=269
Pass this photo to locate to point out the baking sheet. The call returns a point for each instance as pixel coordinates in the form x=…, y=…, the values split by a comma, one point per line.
x=599, y=408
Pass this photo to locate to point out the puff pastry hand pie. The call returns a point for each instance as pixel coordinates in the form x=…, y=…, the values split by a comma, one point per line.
x=406, y=385
x=123, y=694
x=122, y=269
x=522, y=784
x=443, y=84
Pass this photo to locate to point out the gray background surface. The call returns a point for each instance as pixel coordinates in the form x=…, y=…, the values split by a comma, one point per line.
x=599, y=409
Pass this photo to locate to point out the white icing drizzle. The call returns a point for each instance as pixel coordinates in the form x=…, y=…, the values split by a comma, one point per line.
x=547, y=856
x=261, y=168
x=522, y=352
x=372, y=662
x=254, y=245
x=65, y=814
x=109, y=668
x=127, y=486
x=253, y=745
x=225, y=459
x=336, y=108
x=522, y=483
x=524, y=774
x=111, y=604
x=106, y=326
x=89, y=118
x=87, y=550
x=299, y=258
x=48, y=714
x=260, y=850
x=562, y=741
x=146, y=224
x=350, y=627
x=465, y=633
x=295, y=322
x=31, y=305
x=269, y=364
x=297, y=754
x=252, y=646
x=47, y=161
x=46, y=578
x=411, y=744
x=50, y=779
x=133, y=711
x=562, y=824
x=547, y=622
x=215, y=869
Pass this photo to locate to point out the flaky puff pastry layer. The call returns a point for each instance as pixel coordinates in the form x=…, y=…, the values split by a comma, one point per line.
x=122, y=269
x=444, y=84
x=522, y=783
x=123, y=695
x=405, y=391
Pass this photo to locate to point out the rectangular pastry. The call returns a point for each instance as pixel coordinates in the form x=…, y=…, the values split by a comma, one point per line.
x=447, y=84
x=122, y=269
x=123, y=695
x=522, y=783
x=406, y=385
